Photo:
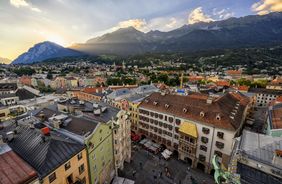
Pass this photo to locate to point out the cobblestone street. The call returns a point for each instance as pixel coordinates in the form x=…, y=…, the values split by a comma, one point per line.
x=147, y=168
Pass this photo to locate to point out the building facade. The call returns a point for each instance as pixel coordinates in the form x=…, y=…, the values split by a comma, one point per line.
x=121, y=140
x=216, y=121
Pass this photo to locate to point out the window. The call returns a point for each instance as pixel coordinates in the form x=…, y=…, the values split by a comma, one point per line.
x=160, y=116
x=177, y=121
x=218, y=153
x=52, y=177
x=202, y=158
x=219, y=145
x=81, y=169
x=205, y=130
x=83, y=181
x=67, y=166
x=204, y=140
x=203, y=148
x=176, y=129
x=170, y=119
x=79, y=156
x=165, y=118
x=220, y=135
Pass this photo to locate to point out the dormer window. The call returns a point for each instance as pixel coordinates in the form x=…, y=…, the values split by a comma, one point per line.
x=166, y=106
x=202, y=114
x=155, y=103
x=218, y=117
x=185, y=110
x=146, y=100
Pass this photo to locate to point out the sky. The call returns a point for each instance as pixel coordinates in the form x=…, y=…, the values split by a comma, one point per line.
x=24, y=23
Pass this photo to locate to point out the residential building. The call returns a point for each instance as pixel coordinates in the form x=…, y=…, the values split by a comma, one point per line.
x=263, y=97
x=216, y=120
x=233, y=74
x=9, y=99
x=97, y=138
x=274, y=120
x=275, y=84
x=4, y=112
x=121, y=140
x=57, y=159
x=7, y=88
x=259, y=158
x=13, y=169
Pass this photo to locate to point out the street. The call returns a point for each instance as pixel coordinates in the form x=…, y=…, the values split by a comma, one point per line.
x=147, y=168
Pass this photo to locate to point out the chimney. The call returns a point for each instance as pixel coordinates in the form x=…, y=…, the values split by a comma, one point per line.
x=45, y=131
x=10, y=135
x=209, y=100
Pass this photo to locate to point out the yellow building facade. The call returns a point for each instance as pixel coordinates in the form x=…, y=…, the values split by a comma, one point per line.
x=73, y=170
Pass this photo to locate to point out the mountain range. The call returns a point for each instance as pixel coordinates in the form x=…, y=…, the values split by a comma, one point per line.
x=45, y=50
x=253, y=30
x=248, y=31
x=4, y=60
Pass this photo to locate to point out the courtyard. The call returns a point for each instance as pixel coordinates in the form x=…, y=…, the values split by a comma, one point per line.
x=148, y=168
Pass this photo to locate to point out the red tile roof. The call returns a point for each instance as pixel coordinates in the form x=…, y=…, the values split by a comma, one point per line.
x=94, y=90
x=222, y=83
x=195, y=104
x=276, y=118
x=13, y=170
x=243, y=88
x=233, y=72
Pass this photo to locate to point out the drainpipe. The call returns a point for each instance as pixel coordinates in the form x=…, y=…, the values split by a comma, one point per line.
x=211, y=149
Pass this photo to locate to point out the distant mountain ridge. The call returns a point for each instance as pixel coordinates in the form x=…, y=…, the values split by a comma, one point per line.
x=45, y=50
x=253, y=30
x=4, y=60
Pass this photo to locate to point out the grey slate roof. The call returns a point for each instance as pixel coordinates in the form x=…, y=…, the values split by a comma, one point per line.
x=24, y=94
x=260, y=147
x=77, y=125
x=8, y=86
x=46, y=156
x=105, y=116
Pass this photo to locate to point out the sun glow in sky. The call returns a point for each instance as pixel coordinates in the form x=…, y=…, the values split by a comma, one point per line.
x=24, y=23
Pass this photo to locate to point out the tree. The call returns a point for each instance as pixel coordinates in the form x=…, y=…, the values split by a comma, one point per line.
x=49, y=75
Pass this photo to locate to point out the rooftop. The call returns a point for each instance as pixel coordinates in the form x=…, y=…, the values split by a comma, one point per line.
x=43, y=154
x=13, y=169
x=265, y=91
x=260, y=147
x=8, y=86
x=24, y=94
x=223, y=112
x=78, y=125
x=275, y=113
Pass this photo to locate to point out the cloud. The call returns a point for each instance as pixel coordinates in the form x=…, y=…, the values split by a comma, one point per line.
x=197, y=15
x=267, y=6
x=136, y=23
x=23, y=3
x=222, y=14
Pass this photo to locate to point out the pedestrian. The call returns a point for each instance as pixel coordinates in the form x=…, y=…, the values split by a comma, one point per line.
x=161, y=173
x=140, y=164
x=179, y=182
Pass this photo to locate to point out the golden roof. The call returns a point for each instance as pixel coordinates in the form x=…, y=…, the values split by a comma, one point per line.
x=189, y=129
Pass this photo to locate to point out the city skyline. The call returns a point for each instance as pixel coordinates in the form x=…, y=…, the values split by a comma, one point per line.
x=26, y=23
